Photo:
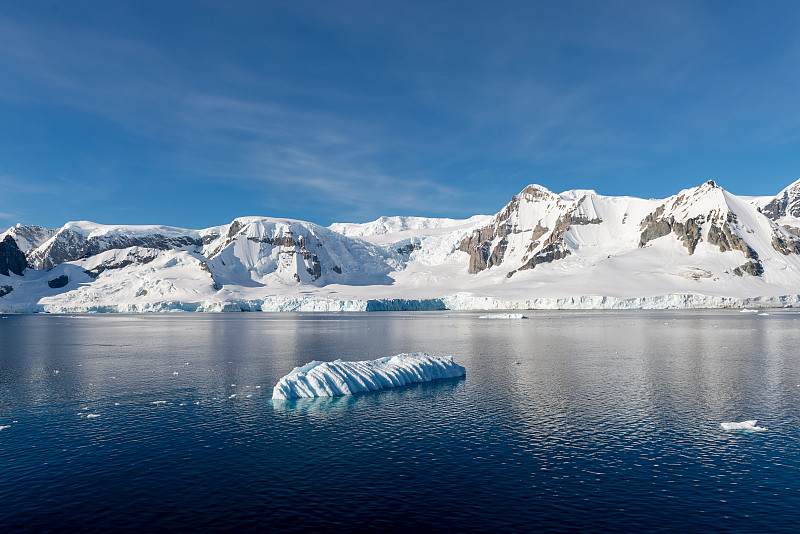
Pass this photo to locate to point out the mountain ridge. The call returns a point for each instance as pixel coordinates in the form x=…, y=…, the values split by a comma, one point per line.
x=704, y=243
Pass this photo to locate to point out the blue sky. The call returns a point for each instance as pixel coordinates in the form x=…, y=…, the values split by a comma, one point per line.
x=193, y=113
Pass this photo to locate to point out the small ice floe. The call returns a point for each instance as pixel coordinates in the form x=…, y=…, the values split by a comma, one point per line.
x=249, y=396
x=174, y=373
x=747, y=310
x=233, y=396
x=3, y=427
x=55, y=372
x=763, y=314
x=92, y=415
x=233, y=385
x=116, y=404
x=744, y=425
x=158, y=402
x=503, y=316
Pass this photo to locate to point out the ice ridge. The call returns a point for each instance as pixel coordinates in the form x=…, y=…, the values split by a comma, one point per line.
x=330, y=379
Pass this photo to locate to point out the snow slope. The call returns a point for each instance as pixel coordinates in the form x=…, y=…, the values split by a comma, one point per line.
x=702, y=247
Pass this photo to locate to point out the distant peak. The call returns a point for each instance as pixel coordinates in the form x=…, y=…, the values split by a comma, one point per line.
x=534, y=191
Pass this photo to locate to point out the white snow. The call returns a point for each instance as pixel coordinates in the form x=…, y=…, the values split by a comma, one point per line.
x=329, y=379
x=503, y=316
x=744, y=425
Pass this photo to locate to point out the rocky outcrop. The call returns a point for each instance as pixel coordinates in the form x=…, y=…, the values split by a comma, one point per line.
x=12, y=259
x=787, y=202
x=204, y=267
x=655, y=226
x=549, y=253
x=753, y=268
x=785, y=245
x=58, y=282
x=30, y=237
x=479, y=247
x=726, y=240
x=5, y=290
x=689, y=232
x=69, y=245
x=408, y=248
x=487, y=246
x=135, y=258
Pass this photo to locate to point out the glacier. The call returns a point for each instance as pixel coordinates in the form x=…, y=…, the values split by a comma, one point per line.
x=331, y=379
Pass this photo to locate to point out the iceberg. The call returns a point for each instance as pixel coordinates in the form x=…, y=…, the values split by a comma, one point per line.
x=330, y=379
x=744, y=425
x=503, y=316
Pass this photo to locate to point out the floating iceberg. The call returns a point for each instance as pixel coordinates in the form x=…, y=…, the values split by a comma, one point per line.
x=503, y=316
x=330, y=379
x=747, y=310
x=744, y=425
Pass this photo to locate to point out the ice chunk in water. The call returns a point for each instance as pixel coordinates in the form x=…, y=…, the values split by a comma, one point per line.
x=330, y=379
x=503, y=316
x=744, y=425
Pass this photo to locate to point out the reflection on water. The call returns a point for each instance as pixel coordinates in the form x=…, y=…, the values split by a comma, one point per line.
x=565, y=421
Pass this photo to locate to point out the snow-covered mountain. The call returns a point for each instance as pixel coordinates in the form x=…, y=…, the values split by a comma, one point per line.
x=701, y=247
x=784, y=208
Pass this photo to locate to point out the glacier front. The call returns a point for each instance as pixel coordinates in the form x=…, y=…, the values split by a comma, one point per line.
x=330, y=379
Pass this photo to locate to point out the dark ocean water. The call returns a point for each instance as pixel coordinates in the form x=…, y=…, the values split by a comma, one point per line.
x=591, y=421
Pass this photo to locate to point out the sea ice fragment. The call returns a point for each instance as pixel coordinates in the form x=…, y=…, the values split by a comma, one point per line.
x=744, y=425
x=330, y=379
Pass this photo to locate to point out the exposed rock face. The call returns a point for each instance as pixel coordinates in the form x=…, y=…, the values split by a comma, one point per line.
x=204, y=267
x=58, y=282
x=726, y=240
x=689, y=233
x=753, y=268
x=655, y=226
x=5, y=290
x=70, y=245
x=12, y=259
x=135, y=258
x=488, y=246
x=787, y=202
x=30, y=237
x=479, y=247
x=785, y=245
x=408, y=248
